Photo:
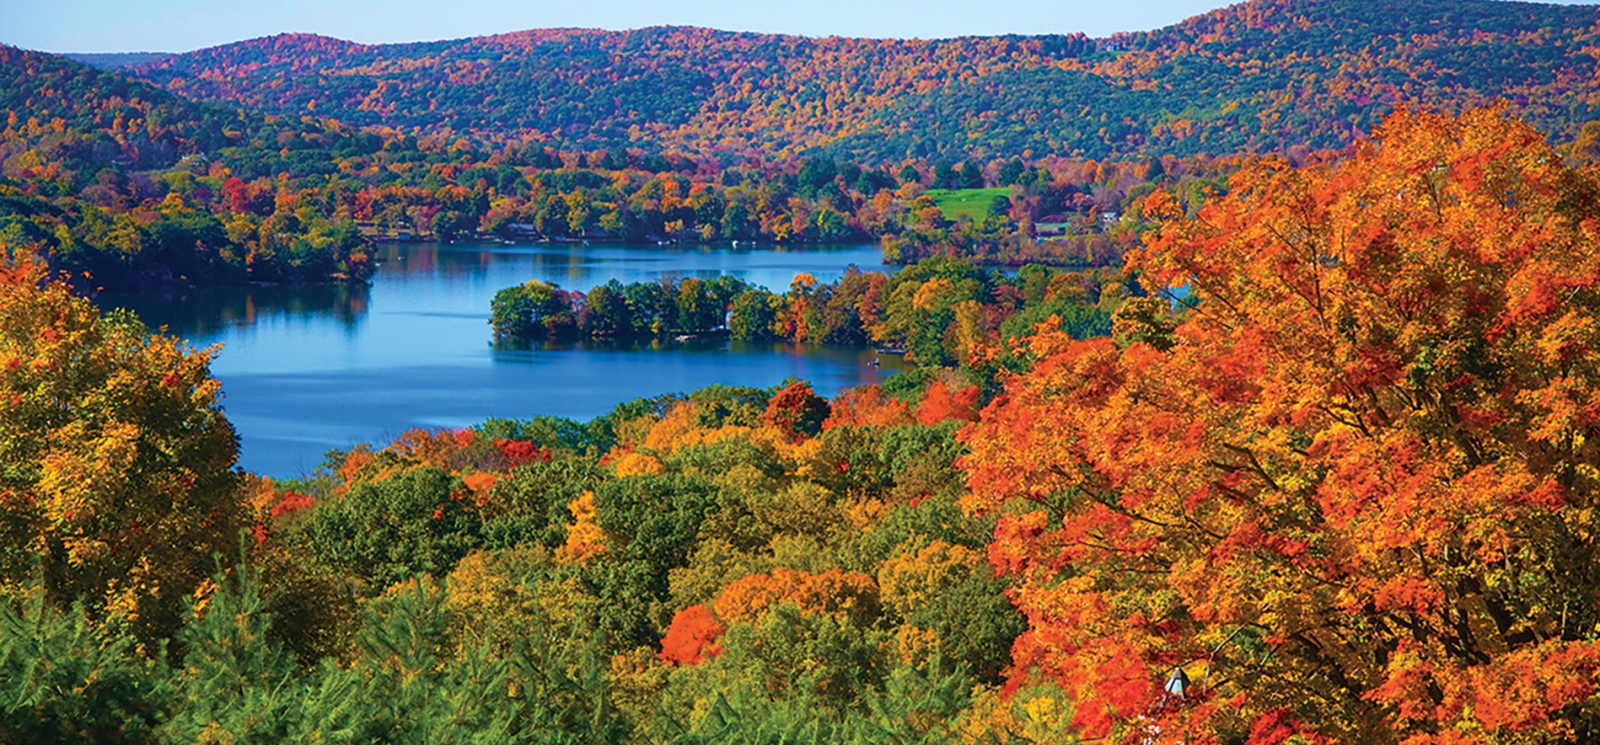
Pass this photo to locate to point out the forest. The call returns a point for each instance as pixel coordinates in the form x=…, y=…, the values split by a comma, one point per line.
x=137, y=187
x=162, y=180
x=939, y=312
x=1322, y=471
x=1260, y=76
x=109, y=179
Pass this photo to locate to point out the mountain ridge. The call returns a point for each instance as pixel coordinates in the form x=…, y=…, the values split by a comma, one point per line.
x=1260, y=75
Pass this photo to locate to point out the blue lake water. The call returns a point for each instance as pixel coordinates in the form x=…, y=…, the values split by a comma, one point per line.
x=309, y=369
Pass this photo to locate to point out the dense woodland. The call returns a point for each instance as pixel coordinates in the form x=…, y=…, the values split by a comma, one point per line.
x=133, y=185
x=139, y=187
x=1261, y=76
x=1329, y=478
x=109, y=177
x=939, y=312
x=284, y=190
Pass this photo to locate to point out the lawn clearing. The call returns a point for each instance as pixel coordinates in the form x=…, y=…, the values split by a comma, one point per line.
x=974, y=203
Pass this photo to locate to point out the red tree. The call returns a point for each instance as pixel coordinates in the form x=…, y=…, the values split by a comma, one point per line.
x=692, y=636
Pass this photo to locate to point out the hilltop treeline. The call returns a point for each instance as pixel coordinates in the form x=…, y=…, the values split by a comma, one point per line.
x=1263, y=75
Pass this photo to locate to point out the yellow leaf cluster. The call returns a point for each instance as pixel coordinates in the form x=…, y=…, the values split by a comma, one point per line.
x=585, y=539
x=639, y=464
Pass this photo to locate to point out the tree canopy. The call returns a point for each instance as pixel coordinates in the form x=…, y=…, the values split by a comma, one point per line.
x=117, y=475
x=1351, y=495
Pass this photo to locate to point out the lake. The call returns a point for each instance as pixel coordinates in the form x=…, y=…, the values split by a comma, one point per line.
x=309, y=369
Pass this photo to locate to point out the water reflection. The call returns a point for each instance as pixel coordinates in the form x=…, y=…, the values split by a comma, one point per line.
x=209, y=312
x=306, y=369
x=864, y=358
x=577, y=266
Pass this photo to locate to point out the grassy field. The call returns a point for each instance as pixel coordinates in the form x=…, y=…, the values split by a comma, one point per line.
x=973, y=203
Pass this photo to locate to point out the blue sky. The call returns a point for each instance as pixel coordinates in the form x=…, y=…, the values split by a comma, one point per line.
x=182, y=25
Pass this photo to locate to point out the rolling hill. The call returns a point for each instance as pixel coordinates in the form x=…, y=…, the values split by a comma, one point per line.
x=74, y=114
x=1262, y=75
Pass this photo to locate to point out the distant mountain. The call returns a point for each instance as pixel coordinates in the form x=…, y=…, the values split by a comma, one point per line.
x=696, y=89
x=1263, y=75
x=116, y=60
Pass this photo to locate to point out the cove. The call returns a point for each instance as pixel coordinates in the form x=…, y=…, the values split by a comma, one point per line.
x=311, y=368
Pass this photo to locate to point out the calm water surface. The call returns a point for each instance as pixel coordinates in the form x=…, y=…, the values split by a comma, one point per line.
x=309, y=369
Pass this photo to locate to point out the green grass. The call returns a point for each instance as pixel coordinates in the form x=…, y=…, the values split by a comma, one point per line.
x=974, y=203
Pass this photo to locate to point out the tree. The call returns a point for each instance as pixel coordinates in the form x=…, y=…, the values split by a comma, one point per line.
x=971, y=176
x=752, y=316
x=532, y=310
x=1011, y=172
x=1354, y=498
x=236, y=678
x=796, y=412
x=866, y=406
x=946, y=592
x=830, y=225
x=394, y=529
x=60, y=681
x=697, y=309
x=692, y=635
x=116, y=462
x=1000, y=207
x=606, y=312
x=940, y=403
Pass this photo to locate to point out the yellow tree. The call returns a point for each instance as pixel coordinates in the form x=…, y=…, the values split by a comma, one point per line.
x=116, y=463
x=1353, y=494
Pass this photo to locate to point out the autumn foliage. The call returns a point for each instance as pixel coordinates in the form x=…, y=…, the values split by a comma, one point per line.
x=867, y=405
x=1352, y=493
x=1265, y=74
x=1323, y=453
x=116, y=480
x=941, y=403
x=832, y=591
x=796, y=412
x=693, y=634
x=522, y=451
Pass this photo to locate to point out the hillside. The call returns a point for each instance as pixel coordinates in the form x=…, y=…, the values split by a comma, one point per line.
x=73, y=114
x=121, y=181
x=138, y=186
x=1263, y=75
x=1267, y=75
x=697, y=89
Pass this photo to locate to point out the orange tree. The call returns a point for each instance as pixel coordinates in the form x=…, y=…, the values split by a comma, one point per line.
x=1353, y=490
x=116, y=462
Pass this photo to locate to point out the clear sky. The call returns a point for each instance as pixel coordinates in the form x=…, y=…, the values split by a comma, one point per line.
x=182, y=25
